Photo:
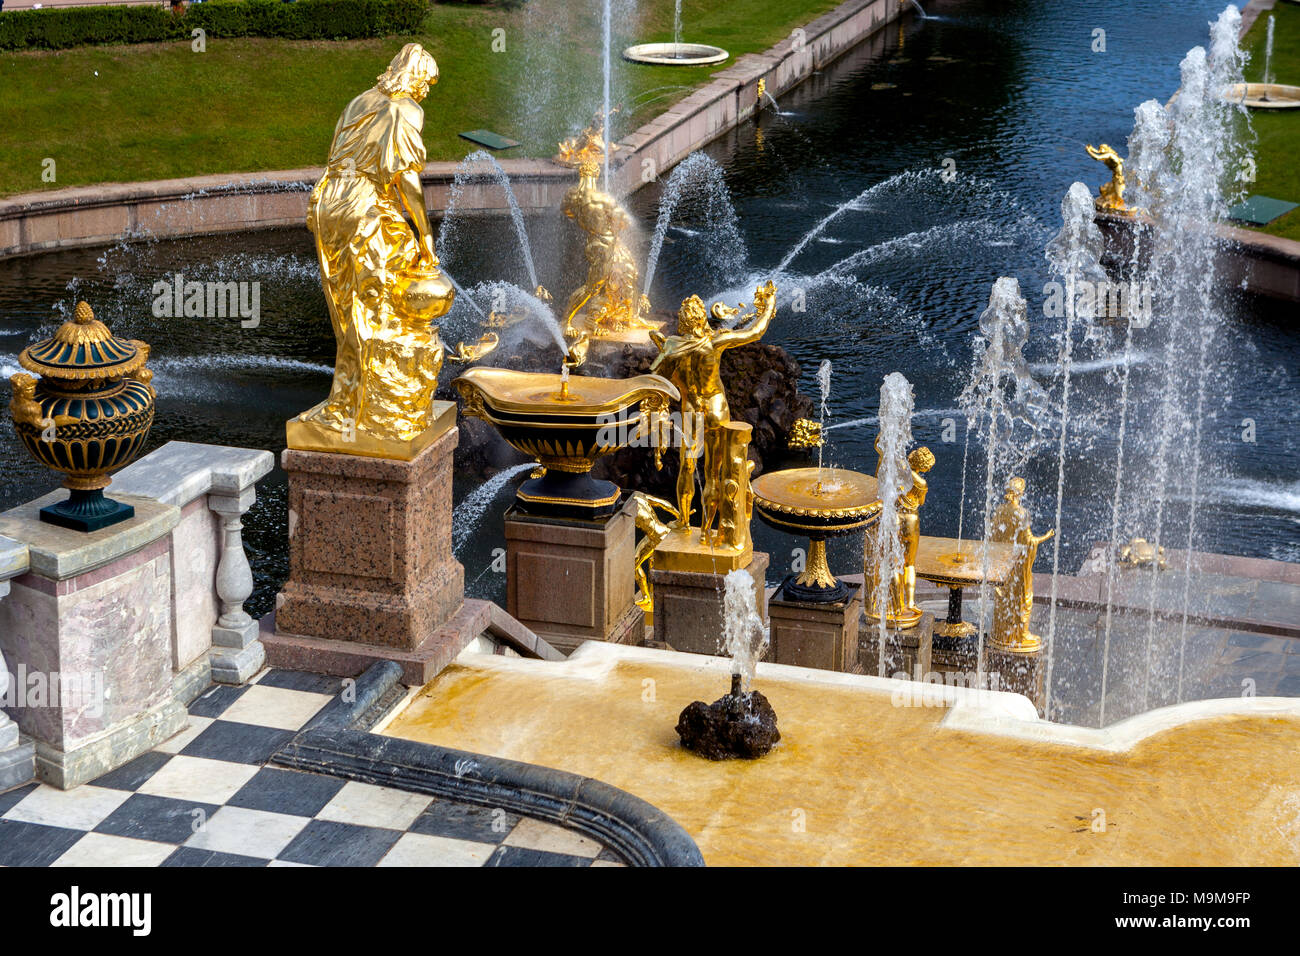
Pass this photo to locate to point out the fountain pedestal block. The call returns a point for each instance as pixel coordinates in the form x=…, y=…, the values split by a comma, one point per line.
x=907, y=651
x=815, y=634
x=1018, y=672
x=688, y=605
x=570, y=581
x=371, y=571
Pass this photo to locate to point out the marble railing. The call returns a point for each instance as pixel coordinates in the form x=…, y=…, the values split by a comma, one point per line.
x=110, y=635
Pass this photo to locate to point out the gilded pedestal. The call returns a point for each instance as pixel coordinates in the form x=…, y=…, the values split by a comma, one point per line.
x=568, y=580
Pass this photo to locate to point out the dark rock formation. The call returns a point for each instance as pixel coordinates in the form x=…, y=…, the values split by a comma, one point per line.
x=734, y=725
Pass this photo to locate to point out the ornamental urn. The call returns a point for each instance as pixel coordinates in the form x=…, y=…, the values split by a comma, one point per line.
x=89, y=413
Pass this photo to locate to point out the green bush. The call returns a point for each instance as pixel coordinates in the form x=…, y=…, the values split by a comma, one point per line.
x=60, y=28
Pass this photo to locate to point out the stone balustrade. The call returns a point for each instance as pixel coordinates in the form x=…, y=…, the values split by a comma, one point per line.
x=111, y=634
x=17, y=754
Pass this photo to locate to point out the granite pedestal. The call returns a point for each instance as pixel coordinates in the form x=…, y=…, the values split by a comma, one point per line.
x=815, y=635
x=371, y=571
x=571, y=581
x=688, y=606
x=907, y=652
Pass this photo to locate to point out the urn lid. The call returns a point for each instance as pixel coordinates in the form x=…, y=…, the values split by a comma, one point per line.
x=83, y=348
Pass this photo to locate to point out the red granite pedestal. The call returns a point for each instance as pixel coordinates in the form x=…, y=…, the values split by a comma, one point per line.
x=371, y=571
x=571, y=581
x=907, y=652
x=1018, y=672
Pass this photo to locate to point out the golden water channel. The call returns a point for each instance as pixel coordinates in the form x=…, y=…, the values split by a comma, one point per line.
x=857, y=780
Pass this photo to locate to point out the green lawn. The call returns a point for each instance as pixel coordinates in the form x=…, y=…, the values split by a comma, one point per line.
x=159, y=111
x=1278, y=148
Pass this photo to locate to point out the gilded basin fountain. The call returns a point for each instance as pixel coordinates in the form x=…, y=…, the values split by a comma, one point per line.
x=565, y=422
x=816, y=503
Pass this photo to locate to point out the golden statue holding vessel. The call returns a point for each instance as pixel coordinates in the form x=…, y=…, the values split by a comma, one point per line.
x=380, y=274
x=1013, y=602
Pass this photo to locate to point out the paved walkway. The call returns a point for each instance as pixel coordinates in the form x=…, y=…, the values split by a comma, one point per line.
x=207, y=798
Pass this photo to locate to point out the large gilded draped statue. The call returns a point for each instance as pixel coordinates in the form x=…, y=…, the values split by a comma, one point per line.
x=691, y=360
x=380, y=274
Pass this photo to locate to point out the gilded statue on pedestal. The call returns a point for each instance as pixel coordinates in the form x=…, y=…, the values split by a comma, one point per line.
x=1112, y=193
x=380, y=275
x=690, y=360
x=902, y=611
x=1013, y=602
x=653, y=531
x=610, y=300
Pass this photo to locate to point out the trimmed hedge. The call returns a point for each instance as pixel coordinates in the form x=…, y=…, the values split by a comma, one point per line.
x=62, y=27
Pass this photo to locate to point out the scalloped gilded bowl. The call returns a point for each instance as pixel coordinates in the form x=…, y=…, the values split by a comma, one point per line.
x=816, y=502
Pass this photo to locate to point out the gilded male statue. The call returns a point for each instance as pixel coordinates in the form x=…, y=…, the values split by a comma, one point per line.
x=690, y=360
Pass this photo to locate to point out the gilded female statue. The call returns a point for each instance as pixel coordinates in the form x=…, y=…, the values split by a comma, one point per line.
x=378, y=267
x=1013, y=602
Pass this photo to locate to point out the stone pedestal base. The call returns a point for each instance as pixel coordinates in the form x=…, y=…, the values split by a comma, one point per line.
x=955, y=655
x=343, y=658
x=688, y=606
x=570, y=581
x=370, y=560
x=1018, y=673
x=815, y=635
x=17, y=756
x=907, y=652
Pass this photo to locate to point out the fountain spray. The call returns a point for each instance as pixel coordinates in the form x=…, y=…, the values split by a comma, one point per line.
x=1015, y=411
x=893, y=478
x=824, y=383
x=741, y=723
x=1074, y=255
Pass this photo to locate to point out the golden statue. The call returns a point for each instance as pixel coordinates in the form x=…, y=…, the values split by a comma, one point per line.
x=1013, y=602
x=1112, y=193
x=653, y=531
x=610, y=300
x=690, y=360
x=806, y=433
x=902, y=612
x=380, y=275
x=1139, y=552
x=589, y=145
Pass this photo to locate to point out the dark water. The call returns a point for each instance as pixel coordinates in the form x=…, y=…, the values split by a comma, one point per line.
x=1008, y=91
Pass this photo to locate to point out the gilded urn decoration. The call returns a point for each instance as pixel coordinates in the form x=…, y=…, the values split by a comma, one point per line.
x=88, y=414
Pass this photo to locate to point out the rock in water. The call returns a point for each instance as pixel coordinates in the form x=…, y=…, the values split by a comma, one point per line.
x=735, y=725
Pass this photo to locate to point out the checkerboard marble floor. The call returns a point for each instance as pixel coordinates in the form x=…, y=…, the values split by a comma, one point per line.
x=207, y=798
